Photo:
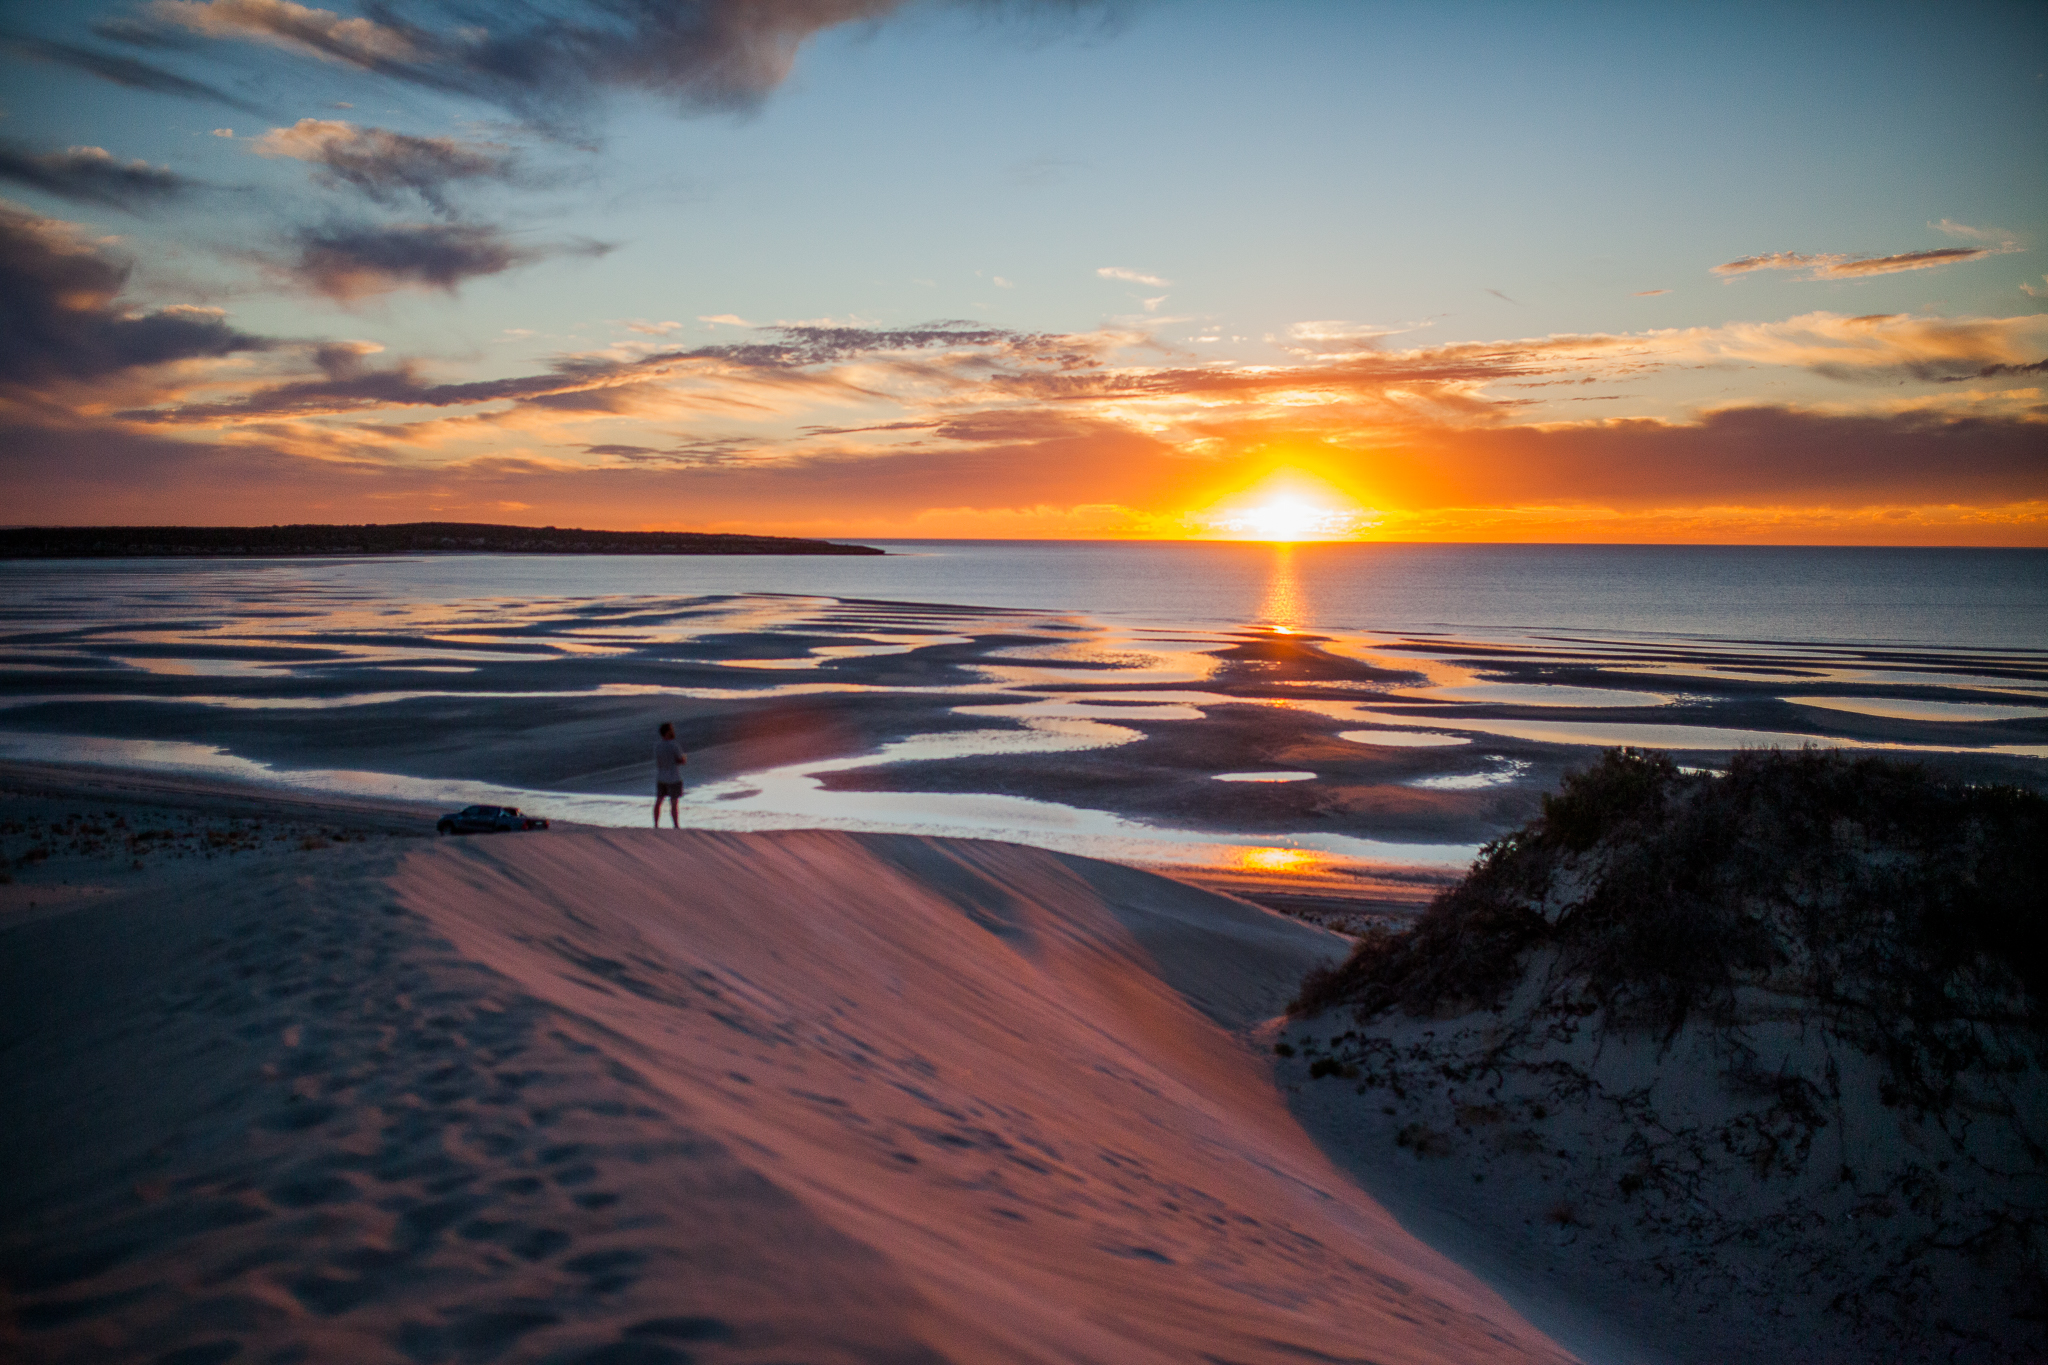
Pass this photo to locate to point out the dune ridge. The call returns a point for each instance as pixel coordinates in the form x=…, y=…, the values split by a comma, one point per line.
x=638, y=1098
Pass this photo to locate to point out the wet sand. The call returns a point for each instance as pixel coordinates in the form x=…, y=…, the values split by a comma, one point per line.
x=1345, y=776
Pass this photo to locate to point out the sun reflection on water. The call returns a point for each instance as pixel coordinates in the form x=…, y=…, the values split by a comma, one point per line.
x=1295, y=860
x=1285, y=606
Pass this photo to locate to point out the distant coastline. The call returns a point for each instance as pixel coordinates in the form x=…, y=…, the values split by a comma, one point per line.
x=409, y=538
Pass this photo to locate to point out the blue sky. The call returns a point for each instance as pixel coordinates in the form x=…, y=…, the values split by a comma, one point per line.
x=1180, y=188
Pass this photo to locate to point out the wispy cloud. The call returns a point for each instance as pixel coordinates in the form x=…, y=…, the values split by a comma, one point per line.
x=316, y=32
x=1649, y=293
x=1118, y=272
x=385, y=165
x=127, y=71
x=1973, y=234
x=1836, y=267
x=91, y=175
x=548, y=59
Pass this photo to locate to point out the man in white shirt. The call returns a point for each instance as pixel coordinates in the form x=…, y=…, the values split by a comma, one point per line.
x=668, y=774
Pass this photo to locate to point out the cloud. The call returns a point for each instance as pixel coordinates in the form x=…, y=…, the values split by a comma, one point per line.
x=1825, y=267
x=1776, y=260
x=1334, y=336
x=1748, y=473
x=126, y=71
x=58, y=315
x=1973, y=234
x=1649, y=293
x=91, y=175
x=609, y=384
x=1998, y=371
x=1743, y=456
x=317, y=32
x=383, y=164
x=352, y=261
x=1875, y=348
x=1117, y=272
x=547, y=59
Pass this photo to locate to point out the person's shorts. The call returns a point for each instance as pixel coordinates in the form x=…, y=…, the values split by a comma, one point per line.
x=662, y=789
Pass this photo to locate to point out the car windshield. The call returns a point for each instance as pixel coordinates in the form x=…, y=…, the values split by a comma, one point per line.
x=476, y=810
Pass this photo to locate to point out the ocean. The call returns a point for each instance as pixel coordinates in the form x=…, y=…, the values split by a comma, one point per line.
x=1164, y=702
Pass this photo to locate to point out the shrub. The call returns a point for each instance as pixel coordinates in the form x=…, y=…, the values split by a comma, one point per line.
x=1873, y=885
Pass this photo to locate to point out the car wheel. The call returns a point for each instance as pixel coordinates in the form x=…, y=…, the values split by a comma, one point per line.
x=444, y=828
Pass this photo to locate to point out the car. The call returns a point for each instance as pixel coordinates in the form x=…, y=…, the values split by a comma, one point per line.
x=488, y=820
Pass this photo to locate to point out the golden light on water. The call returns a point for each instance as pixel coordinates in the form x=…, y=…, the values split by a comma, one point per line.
x=1278, y=860
x=1284, y=606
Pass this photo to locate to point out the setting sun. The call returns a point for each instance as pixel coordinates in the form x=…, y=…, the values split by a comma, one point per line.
x=1282, y=509
x=1285, y=519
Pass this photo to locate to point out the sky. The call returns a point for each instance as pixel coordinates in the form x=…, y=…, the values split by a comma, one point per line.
x=994, y=268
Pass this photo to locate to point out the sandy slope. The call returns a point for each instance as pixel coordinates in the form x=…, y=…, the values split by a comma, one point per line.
x=642, y=1098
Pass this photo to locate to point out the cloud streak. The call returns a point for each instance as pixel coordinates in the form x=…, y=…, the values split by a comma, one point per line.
x=1118, y=272
x=92, y=175
x=545, y=59
x=127, y=71
x=385, y=165
x=1830, y=267
x=349, y=262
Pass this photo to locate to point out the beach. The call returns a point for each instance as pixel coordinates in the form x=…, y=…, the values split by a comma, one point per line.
x=946, y=1029
x=352, y=1093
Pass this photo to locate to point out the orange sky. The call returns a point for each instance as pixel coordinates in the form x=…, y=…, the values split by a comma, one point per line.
x=288, y=277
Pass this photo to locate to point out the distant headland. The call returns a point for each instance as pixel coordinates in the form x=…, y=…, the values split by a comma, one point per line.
x=409, y=538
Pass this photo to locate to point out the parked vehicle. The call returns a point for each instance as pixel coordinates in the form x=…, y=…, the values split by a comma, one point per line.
x=488, y=820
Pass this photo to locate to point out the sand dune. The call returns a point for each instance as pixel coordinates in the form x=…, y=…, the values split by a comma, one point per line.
x=644, y=1098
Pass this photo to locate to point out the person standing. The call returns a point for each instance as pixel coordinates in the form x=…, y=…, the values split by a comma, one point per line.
x=668, y=774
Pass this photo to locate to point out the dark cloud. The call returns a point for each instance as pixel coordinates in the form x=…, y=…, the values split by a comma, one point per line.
x=354, y=261
x=1995, y=371
x=91, y=175
x=59, y=321
x=383, y=164
x=136, y=75
x=547, y=58
x=1751, y=456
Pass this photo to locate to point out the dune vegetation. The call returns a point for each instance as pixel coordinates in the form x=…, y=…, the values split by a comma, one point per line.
x=1771, y=1039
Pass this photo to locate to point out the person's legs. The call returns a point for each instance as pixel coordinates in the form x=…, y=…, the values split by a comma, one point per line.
x=674, y=818
x=657, y=808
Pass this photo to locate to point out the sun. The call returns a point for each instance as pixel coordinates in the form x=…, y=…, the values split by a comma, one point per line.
x=1284, y=511
x=1286, y=519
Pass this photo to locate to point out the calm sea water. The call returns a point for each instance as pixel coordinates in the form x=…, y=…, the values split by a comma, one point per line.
x=512, y=678
x=1975, y=599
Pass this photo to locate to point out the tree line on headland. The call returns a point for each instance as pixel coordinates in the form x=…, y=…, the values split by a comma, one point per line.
x=409, y=538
